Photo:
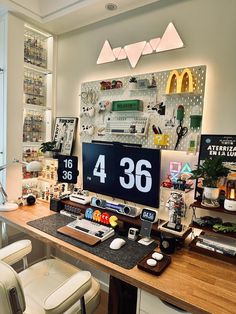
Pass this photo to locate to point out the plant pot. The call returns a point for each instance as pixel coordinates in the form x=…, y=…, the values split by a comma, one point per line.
x=210, y=197
x=48, y=154
x=132, y=85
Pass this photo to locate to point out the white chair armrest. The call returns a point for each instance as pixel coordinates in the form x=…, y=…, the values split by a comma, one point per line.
x=15, y=252
x=68, y=293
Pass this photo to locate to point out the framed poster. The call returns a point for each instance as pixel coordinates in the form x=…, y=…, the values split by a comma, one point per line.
x=64, y=134
x=216, y=145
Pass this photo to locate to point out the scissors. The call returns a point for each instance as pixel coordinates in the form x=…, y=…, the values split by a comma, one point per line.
x=181, y=132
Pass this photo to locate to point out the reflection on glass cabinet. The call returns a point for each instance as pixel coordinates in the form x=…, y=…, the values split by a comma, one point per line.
x=35, y=49
x=31, y=153
x=37, y=105
x=34, y=88
x=33, y=129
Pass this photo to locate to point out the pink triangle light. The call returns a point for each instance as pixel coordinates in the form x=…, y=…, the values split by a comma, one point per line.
x=106, y=54
x=170, y=39
x=134, y=52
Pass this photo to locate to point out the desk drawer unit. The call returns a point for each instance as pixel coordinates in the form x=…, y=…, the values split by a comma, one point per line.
x=150, y=304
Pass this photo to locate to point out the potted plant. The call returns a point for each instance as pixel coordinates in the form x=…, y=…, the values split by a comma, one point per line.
x=132, y=83
x=48, y=148
x=210, y=171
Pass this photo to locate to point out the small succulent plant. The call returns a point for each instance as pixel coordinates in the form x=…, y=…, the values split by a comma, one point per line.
x=133, y=79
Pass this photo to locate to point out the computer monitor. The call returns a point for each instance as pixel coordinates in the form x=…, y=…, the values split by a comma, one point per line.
x=122, y=171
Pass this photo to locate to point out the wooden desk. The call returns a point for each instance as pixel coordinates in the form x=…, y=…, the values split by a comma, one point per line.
x=196, y=283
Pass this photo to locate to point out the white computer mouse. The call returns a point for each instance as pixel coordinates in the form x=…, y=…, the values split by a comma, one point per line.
x=117, y=243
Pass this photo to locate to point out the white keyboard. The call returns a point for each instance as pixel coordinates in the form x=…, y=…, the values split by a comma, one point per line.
x=92, y=228
x=128, y=123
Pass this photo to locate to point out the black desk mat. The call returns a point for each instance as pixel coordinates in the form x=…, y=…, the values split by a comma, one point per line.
x=127, y=257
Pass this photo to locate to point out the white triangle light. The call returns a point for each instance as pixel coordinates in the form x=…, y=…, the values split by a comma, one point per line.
x=154, y=42
x=106, y=54
x=122, y=54
x=170, y=39
x=147, y=49
x=116, y=51
x=134, y=52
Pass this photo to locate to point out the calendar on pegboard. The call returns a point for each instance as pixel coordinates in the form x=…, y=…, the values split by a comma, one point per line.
x=156, y=110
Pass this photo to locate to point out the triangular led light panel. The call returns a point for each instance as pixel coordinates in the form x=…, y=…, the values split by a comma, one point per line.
x=116, y=51
x=134, y=52
x=147, y=49
x=170, y=39
x=122, y=54
x=186, y=168
x=106, y=54
x=154, y=42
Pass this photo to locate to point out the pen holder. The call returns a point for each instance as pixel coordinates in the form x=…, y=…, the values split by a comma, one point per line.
x=161, y=139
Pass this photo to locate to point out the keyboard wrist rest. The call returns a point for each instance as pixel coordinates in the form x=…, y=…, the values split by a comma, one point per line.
x=80, y=236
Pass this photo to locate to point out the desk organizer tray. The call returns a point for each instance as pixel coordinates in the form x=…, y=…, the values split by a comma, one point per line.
x=195, y=248
x=154, y=270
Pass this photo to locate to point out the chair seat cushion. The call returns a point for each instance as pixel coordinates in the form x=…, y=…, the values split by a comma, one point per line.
x=41, y=279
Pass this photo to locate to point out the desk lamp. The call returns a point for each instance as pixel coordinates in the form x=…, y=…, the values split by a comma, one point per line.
x=30, y=167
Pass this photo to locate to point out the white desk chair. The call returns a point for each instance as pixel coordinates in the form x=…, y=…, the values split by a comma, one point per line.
x=51, y=286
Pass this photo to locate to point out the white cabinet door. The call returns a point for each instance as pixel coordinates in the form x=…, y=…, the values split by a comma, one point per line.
x=2, y=98
x=2, y=131
x=150, y=304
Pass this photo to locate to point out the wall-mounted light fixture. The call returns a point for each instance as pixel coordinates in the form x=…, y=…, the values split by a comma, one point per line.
x=170, y=40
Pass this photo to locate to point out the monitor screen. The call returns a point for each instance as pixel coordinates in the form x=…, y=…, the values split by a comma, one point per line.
x=122, y=171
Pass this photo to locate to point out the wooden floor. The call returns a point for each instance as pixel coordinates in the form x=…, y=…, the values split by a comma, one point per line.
x=103, y=306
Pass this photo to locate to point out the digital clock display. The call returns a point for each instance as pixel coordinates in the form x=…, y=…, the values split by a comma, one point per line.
x=67, y=169
x=148, y=215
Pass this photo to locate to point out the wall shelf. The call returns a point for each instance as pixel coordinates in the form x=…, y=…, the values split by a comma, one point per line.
x=47, y=180
x=220, y=209
x=184, y=94
x=208, y=229
x=154, y=90
x=37, y=68
x=36, y=107
x=226, y=258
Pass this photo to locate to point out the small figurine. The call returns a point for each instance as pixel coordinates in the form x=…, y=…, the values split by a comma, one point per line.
x=176, y=207
x=89, y=213
x=167, y=183
x=105, y=218
x=97, y=215
x=153, y=83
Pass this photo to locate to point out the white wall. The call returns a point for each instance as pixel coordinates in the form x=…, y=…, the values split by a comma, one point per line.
x=14, y=105
x=207, y=28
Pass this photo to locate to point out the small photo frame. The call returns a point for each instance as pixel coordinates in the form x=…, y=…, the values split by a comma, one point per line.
x=64, y=134
x=142, y=84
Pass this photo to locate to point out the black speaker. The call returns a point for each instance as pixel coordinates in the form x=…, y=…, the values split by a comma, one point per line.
x=167, y=243
x=56, y=205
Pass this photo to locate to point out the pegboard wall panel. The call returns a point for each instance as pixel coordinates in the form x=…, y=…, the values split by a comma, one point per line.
x=95, y=109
